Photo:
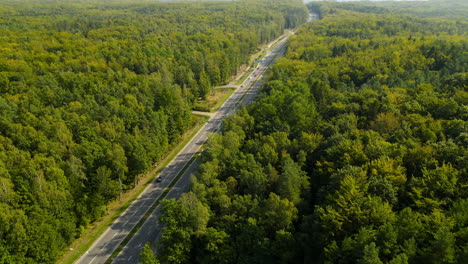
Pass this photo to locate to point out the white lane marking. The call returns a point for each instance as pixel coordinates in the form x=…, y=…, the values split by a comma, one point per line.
x=129, y=258
x=92, y=260
x=114, y=235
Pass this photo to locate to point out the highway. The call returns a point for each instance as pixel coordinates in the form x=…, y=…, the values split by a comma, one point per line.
x=104, y=246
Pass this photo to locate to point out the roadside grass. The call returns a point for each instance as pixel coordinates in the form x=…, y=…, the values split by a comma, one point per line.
x=116, y=207
x=214, y=100
x=219, y=103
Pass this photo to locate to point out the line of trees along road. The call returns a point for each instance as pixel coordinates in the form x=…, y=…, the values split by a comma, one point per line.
x=95, y=93
x=355, y=152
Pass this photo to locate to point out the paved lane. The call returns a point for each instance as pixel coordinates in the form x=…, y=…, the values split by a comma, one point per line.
x=151, y=229
x=103, y=247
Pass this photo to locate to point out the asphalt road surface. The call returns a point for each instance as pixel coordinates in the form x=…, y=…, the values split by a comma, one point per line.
x=109, y=241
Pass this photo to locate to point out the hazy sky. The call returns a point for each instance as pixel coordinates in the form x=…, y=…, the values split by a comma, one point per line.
x=306, y=1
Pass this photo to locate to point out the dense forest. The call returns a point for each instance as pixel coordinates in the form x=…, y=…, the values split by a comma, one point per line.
x=447, y=9
x=92, y=94
x=355, y=152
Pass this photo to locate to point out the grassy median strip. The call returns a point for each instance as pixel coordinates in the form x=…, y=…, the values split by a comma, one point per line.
x=116, y=208
x=150, y=211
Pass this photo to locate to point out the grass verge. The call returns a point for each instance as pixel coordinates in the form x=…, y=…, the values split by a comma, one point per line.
x=115, y=208
x=221, y=102
x=214, y=100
